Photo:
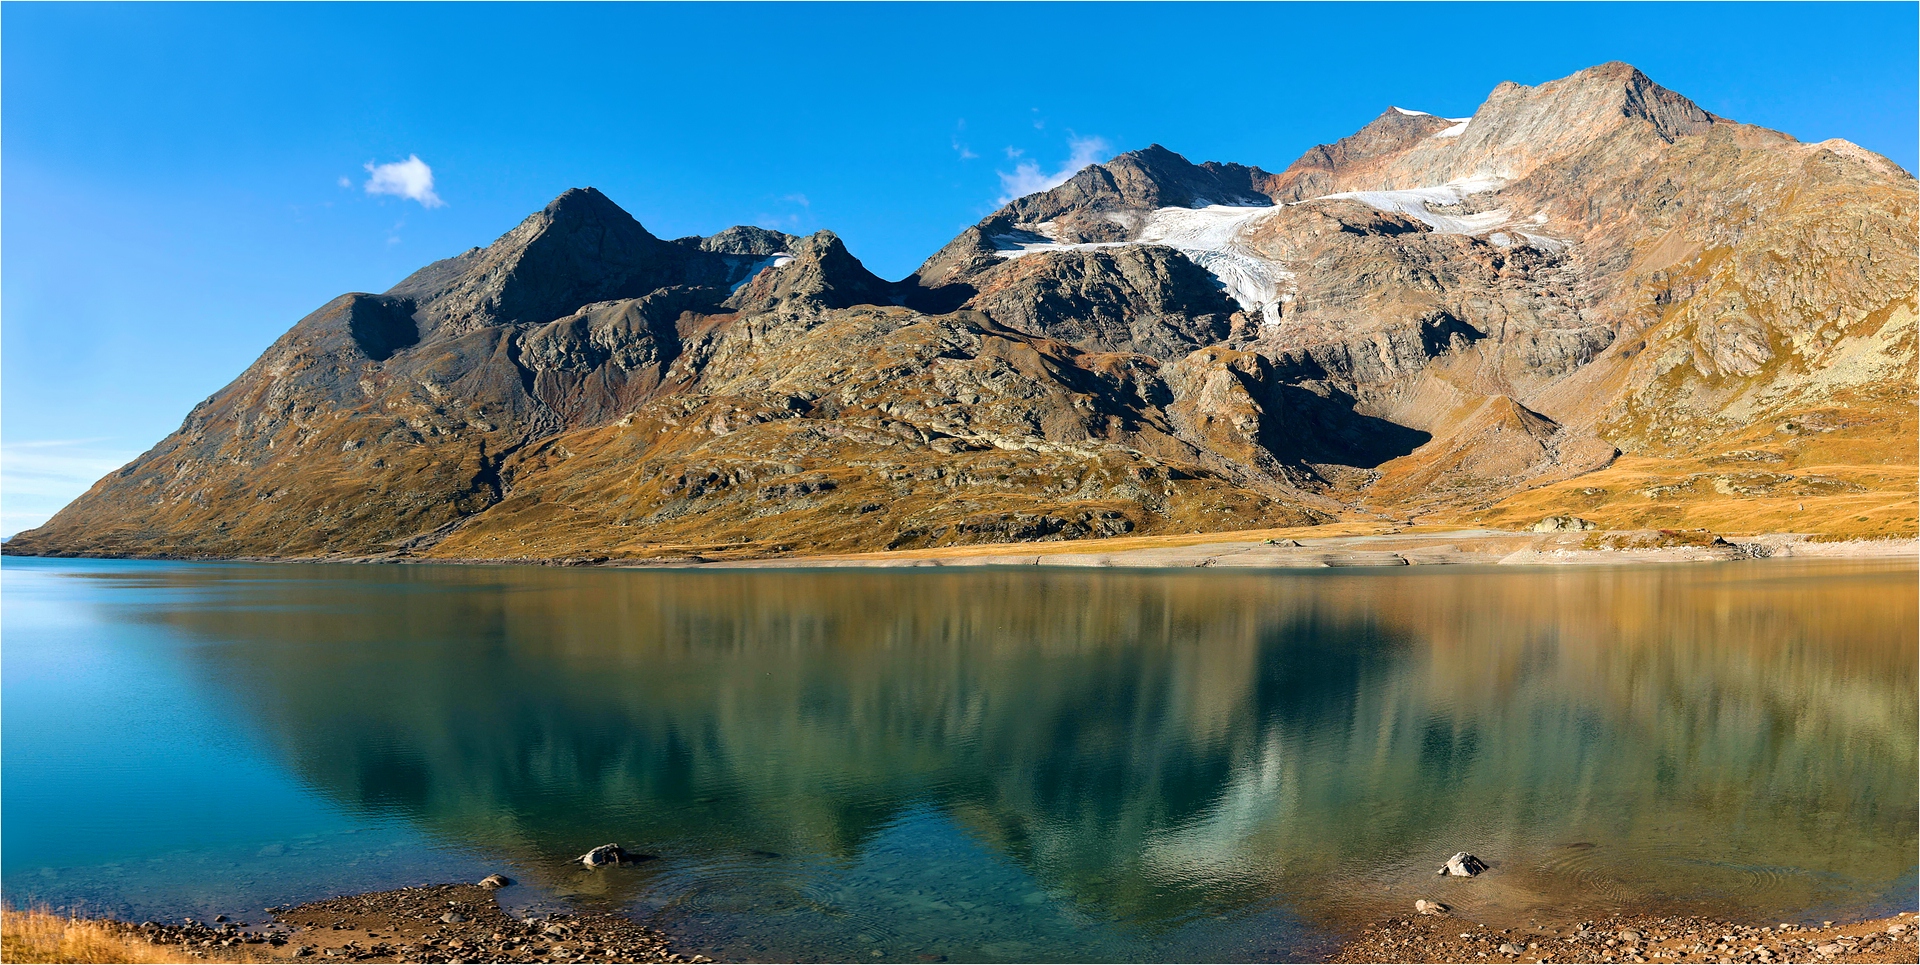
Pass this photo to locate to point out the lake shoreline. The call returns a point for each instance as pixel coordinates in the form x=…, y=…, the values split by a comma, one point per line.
x=448, y=923
x=1329, y=546
x=1297, y=550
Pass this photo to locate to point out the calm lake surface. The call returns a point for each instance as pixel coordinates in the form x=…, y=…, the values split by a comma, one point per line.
x=983, y=764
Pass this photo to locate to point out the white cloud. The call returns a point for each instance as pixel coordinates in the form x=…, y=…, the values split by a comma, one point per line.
x=345, y=182
x=37, y=478
x=410, y=178
x=1027, y=177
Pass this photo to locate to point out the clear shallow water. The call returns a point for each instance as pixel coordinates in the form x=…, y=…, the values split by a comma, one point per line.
x=982, y=764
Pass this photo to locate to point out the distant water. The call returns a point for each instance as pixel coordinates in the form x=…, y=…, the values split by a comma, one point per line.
x=982, y=764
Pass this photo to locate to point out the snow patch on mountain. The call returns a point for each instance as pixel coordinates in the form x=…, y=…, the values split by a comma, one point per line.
x=743, y=269
x=1214, y=237
x=1459, y=127
x=1415, y=202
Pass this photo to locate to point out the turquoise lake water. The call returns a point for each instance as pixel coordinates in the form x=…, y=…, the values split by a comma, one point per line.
x=987, y=765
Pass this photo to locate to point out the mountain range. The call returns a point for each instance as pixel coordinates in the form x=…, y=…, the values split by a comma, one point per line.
x=1590, y=298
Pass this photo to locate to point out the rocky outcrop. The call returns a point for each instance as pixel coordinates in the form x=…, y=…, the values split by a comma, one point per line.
x=1144, y=299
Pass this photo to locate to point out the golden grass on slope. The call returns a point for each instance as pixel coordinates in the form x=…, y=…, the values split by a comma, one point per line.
x=1847, y=471
x=42, y=936
x=1838, y=502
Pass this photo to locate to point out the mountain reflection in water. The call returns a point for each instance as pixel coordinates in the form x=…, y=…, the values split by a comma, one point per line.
x=1000, y=764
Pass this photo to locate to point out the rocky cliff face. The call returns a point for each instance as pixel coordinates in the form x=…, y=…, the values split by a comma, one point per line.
x=1591, y=296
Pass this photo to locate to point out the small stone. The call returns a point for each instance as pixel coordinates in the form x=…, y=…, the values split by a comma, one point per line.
x=495, y=881
x=1511, y=949
x=1425, y=907
x=1629, y=936
x=1896, y=929
x=453, y=918
x=1829, y=949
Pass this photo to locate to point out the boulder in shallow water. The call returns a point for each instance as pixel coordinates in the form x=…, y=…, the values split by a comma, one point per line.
x=612, y=854
x=1462, y=865
x=1425, y=907
x=495, y=881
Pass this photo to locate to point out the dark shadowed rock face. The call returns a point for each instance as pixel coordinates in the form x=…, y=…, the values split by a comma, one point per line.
x=1460, y=321
x=1144, y=299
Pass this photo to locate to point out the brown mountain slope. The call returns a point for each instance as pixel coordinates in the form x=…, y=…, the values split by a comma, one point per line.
x=1591, y=297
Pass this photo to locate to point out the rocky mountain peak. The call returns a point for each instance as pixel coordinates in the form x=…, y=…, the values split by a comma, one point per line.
x=822, y=273
x=584, y=206
x=1169, y=180
x=1515, y=131
x=580, y=248
x=1315, y=173
x=1137, y=180
x=1597, y=98
x=743, y=240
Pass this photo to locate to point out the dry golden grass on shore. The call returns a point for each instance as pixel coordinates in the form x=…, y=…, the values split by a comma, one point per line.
x=40, y=936
x=37, y=935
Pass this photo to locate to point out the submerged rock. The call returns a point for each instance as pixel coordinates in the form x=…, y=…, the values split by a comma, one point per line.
x=1462, y=865
x=495, y=881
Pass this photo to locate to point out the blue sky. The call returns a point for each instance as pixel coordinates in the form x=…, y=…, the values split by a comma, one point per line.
x=182, y=183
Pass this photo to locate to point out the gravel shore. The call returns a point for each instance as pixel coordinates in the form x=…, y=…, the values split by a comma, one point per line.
x=463, y=923
x=433, y=923
x=1443, y=938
